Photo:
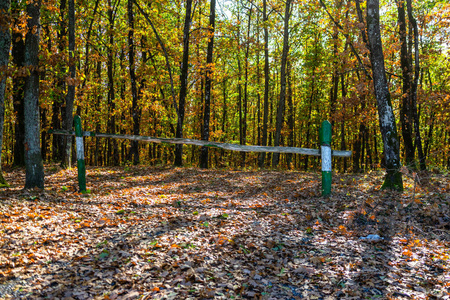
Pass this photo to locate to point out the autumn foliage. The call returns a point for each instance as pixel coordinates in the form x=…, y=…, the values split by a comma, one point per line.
x=188, y=233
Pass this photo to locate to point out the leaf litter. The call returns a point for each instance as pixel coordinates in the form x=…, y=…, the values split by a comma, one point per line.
x=186, y=233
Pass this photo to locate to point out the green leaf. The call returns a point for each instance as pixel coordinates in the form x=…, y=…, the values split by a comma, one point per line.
x=104, y=254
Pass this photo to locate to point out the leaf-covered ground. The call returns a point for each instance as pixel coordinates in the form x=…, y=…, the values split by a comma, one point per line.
x=177, y=233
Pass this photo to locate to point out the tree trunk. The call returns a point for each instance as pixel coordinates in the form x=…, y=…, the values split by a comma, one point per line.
x=224, y=113
x=334, y=78
x=98, y=76
x=414, y=85
x=282, y=100
x=262, y=156
x=393, y=179
x=308, y=126
x=70, y=97
x=34, y=176
x=135, y=111
x=406, y=116
x=58, y=120
x=343, y=143
x=113, y=151
x=290, y=119
x=5, y=43
x=245, y=102
x=183, y=82
x=208, y=83
x=18, y=81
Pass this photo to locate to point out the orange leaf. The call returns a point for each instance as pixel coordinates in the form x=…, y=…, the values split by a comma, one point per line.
x=407, y=253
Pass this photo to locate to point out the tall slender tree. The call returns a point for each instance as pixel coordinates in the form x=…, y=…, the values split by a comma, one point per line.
x=262, y=156
x=393, y=179
x=113, y=150
x=246, y=79
x=58, y=119
x=135, y=111
x=183, y=82
x=70, y=97
x=18, y=81
x=406, y=116
x=282, y=99
x=208, y=83
x=414, y=85
x=5, y=43
x=34, y=176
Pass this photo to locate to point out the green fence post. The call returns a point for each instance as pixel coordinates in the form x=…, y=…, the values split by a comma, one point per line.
x=325, y=152
x=80, y=154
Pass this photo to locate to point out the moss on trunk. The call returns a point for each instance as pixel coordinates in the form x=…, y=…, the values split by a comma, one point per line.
x=393, y=181
x=3, y=182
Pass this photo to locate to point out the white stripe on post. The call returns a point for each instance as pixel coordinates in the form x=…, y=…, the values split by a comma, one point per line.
x=326, y=158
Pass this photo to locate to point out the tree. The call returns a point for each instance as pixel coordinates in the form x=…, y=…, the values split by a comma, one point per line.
x=208, y=83
x=70, y=97
x=406, y=115
x=183, y=82
x=113, y=151
x=58, y=119
x=262, y=156
x=5, y=42
x=282, y=99
x=393, y=179
x=414, y=84
x=18, y=59
x=34, y=176
x=135, y=111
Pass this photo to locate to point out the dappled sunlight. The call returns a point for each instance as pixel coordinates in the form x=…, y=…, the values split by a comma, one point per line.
x=180, y=233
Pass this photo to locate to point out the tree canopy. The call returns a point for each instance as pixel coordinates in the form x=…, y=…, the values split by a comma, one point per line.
x=278, y=70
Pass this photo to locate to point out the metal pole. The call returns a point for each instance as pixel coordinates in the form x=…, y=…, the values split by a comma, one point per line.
x=325, y=151
x=80, y=154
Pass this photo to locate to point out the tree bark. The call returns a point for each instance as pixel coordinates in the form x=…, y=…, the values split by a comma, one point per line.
x=414, y=85
x=113, y=150
x=70, y=97
x=282, y=100
x=245, y=102
x=18, y=81
x=58, y=120
x=393, y=179
x=135, y=111
x=34, y=176
x=5, y=43
x=183, y=82
x=208, y=83
x=290, y=118
x=262, y=156
x=406, y=115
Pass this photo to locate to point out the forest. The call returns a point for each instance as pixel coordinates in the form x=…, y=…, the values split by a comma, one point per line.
x=242, y=72
x=165, y=221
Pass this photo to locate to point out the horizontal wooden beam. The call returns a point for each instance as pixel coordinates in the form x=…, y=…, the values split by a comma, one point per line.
x=233, y=147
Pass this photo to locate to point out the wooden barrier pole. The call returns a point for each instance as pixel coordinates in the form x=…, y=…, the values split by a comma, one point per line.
x=226, y=146
x=81, y=166
x=325, y=152
x=325, y=149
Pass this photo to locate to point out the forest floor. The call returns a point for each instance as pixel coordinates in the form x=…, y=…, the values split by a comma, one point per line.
x=180, y=233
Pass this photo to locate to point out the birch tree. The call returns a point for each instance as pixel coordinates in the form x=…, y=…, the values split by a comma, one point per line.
x=393, y=179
